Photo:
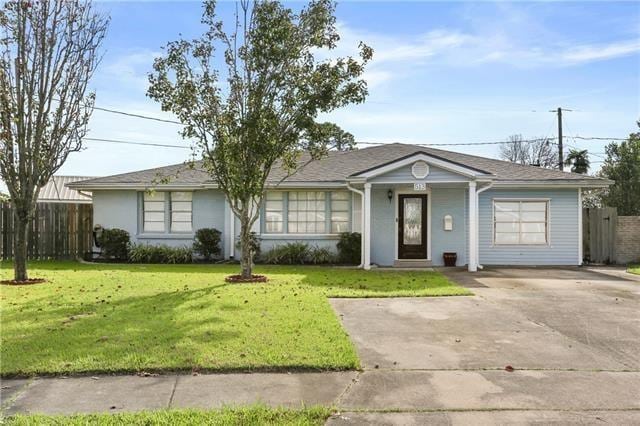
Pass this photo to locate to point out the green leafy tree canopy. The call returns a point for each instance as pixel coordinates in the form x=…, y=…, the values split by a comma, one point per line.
x=258, y=101
x=622, y=165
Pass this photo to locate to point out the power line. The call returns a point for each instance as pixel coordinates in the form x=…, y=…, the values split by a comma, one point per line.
x=129, y=114
x=466, y=143
x=136, y=143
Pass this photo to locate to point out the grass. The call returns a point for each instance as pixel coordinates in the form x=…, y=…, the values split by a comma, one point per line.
x=634, y=269
x=253, y=415
x=129, y=318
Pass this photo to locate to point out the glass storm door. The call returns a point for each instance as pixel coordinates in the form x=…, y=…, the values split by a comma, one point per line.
x=412, y=226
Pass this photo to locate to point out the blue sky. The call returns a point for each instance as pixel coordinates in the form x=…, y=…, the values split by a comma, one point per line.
x=442, y=73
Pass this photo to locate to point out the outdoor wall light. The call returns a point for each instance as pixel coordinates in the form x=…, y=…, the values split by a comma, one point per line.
x=390, y=195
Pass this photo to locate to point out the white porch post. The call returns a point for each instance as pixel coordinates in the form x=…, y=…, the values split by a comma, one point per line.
x=473, y=228
x=580, y=255
x=366, y=226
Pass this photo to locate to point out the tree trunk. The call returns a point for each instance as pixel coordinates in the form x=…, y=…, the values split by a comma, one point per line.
x=246, y=259
x=20, y=247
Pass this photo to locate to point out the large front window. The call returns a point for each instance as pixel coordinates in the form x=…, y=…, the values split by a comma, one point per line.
x=307, y=212
x=520, y=222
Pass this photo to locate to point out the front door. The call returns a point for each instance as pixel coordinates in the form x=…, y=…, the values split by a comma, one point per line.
x=412, y=226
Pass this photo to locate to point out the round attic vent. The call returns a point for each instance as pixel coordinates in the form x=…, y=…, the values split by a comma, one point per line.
x=420, y=170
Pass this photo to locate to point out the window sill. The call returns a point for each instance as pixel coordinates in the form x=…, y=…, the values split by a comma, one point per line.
x=299, y=236
x=173, y=236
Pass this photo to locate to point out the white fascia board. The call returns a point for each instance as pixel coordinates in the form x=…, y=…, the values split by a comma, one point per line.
x=446, y=165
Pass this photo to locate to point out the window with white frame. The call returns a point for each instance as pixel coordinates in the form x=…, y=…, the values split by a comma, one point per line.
x=339, y=211
x=153, y=214
x=181, y=208
x=521, y=222
x=274, y=212
x=307, y=212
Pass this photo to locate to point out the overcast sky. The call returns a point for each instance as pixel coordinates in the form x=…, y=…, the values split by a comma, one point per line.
x=442, y=73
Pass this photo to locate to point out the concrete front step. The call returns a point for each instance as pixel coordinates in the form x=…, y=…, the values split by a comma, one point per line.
x=406, y=263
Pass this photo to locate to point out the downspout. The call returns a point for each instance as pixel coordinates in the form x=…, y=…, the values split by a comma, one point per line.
x=361, y=193
x=484, y=188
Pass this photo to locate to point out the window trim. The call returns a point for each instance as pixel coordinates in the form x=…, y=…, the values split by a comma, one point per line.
x=547, y=202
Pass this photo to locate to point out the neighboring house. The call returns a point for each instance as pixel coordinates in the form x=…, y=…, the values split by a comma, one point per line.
x=57, y=191
x=410, y=203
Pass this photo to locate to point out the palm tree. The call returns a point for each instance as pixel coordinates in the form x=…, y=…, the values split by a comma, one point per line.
x=578, y=160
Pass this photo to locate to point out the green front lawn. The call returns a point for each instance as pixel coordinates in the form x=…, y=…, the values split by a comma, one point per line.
x=634, y=269
x=255, y=415
x=129, y=318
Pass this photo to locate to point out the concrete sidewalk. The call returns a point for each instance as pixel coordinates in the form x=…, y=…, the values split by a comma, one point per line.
x=373, y=390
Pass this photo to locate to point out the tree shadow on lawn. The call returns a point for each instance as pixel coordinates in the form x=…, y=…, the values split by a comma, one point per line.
x=124, y=335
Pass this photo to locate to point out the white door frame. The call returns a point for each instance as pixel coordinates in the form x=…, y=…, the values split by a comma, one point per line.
x=426, y=192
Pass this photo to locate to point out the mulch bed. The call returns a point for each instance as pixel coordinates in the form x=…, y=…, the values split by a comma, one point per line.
x=238, y=279
x=29, y=281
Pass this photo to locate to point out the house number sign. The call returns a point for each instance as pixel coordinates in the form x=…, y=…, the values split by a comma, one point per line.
x=419, y=186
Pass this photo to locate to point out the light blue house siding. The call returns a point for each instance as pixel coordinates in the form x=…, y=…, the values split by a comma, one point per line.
x=563, y=230
x=449, y=201
x=404, y=175
x=122, y=209
x=444, y=201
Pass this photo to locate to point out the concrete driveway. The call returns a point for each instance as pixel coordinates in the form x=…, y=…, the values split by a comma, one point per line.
x=571, y=335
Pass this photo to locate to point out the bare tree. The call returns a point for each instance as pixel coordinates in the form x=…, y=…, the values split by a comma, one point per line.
x=49, y=49
x=534, y=152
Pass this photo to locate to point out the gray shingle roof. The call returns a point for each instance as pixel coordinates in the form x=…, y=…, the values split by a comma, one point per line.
x=338, y=166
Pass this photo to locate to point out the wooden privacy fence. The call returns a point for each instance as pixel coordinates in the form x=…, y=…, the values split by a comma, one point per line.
x=58, y=231
x=599, y=234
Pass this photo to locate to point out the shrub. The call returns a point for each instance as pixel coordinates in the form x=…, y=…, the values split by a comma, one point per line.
x=321, y=256
x=349, y=248
x=254, y=245
x=114, y=243
x=145, y=253
x=288, y=254
x=207, y=243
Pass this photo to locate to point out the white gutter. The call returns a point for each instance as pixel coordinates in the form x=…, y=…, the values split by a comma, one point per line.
x=361, y=193
x=484, y=188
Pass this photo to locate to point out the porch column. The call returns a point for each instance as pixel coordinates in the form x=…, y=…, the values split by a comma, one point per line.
x=473, y=228
x=366, y=226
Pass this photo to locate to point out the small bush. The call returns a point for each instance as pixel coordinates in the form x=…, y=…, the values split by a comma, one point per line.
x=288, y=254
x=114, y=243
x=321, y=256
x=207, y=243
x=145, y=253
x=349, y=248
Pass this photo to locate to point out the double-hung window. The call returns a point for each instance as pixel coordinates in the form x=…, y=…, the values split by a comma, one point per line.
x=339, y=212
x=274, y=212
x=154, y=211
x=521, y=222
x=307, y=212
x=164, y=211
x=181, y=205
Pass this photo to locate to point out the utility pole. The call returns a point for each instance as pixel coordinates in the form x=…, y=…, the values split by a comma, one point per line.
x=560, y=139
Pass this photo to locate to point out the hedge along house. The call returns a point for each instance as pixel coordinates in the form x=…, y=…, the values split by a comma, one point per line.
x=411, y=204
